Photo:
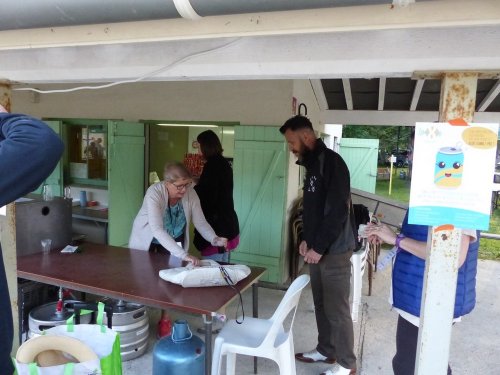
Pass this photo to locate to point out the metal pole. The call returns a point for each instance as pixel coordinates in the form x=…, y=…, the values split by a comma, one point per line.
x=255, y=314
x=458, y=95
x=208, y=320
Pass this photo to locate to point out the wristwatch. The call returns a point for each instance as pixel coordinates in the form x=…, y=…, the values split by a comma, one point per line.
x=399, y=238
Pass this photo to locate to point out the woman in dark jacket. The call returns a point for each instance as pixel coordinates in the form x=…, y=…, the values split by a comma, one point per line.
x=215, y=189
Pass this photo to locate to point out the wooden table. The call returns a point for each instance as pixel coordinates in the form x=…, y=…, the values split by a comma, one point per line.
x=132, y=275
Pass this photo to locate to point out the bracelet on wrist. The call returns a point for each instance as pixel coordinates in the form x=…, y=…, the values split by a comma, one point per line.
x=399, y=238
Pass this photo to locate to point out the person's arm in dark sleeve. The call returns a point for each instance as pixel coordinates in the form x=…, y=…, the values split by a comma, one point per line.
x=29, y=152
x=336, y=212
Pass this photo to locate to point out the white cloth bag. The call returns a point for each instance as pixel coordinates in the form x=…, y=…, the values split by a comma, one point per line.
x=208, y=274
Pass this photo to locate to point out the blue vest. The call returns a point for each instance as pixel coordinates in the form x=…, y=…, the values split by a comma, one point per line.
x=408, y=276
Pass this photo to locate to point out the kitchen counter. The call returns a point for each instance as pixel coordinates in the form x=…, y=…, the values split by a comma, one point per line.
x=91, y=222
x=93, y=214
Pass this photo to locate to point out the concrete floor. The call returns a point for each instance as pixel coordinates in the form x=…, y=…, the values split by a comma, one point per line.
x=475, y=340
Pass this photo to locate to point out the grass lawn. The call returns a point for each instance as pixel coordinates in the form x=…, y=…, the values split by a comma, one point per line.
x=489, y=249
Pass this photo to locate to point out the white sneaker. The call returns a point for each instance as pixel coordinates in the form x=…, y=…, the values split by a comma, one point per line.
x=339, y=370
x=313, y=356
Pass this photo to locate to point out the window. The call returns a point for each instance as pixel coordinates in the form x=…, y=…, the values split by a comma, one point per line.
x=87, y=153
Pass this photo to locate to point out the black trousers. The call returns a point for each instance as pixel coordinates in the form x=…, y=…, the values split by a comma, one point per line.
x=331, y=282
x=6, y=325
x=403, y=362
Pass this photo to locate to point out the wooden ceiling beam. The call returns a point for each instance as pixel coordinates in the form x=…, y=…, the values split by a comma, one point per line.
x=381, y=93
x=495, y=90
x=416, y=94
x=347, y=93
x=393, y=118
x=481, y=74
x=319, y=93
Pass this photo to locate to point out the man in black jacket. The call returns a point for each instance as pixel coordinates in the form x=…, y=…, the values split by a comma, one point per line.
x=328, y=241
x=29, y=151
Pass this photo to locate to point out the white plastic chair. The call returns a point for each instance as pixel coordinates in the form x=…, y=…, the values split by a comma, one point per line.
x=265, y=338
x=358, y=263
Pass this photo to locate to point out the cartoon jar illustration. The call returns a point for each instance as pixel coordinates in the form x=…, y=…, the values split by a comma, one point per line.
x=449, y=167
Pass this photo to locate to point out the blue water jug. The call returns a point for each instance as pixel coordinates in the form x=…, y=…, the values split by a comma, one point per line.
x=180, y=353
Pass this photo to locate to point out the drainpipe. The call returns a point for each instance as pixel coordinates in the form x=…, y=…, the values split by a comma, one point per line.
x=58, y=13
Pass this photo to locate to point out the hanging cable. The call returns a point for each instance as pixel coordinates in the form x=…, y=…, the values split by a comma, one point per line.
x=135, y=80
x=232, y=285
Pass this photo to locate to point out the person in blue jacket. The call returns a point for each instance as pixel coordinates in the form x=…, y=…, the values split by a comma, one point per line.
x=29, y=151
x=408, y=279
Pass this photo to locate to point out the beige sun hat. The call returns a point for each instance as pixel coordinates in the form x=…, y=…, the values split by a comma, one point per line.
x=48, y=351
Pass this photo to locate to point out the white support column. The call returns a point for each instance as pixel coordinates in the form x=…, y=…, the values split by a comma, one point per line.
x=8, y=238
x=458, y=92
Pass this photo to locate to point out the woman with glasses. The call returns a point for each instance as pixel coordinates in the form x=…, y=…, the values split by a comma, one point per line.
x=162, y=223
x=215, y=189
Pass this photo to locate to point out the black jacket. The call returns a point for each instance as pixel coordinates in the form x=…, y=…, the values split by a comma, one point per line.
x=215, y=189
x=327, y=202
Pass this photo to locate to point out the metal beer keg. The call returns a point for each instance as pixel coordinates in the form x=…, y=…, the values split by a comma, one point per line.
x=46, y=316
x=131, y=321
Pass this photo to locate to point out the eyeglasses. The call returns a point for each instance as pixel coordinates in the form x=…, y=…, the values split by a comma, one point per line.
x=182, y=187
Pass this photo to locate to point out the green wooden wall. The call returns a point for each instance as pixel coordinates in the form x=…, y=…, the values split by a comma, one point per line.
x=166, y=144
x=260, y=175
x=361, y=156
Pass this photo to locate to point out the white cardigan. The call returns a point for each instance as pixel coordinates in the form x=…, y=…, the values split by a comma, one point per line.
x=149, y=221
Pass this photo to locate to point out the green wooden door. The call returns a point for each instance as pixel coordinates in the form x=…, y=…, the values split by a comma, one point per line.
x=55, y=179
x=260, y=165
x=125, y=178
x=361, y=156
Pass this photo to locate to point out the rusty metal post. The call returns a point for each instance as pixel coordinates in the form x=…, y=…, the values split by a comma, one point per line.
x=458, y=97
x=8, y=236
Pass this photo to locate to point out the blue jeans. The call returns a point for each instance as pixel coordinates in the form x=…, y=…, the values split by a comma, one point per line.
x=221, y=257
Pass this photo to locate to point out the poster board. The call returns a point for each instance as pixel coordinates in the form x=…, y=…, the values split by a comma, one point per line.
x=452, y=175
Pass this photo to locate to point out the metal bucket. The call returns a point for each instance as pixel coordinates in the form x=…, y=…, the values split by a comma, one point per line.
x=45, y=316
x=131, y=321
x=180, y=353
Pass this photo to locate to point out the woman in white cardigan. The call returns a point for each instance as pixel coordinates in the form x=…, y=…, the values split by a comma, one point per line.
x=163, y=220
